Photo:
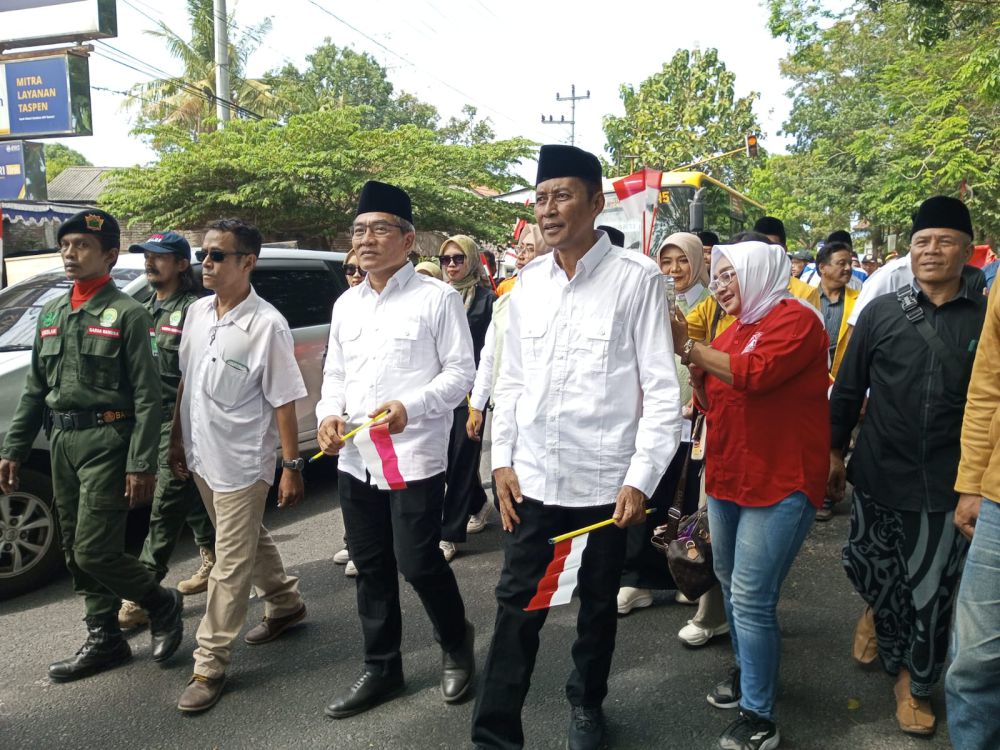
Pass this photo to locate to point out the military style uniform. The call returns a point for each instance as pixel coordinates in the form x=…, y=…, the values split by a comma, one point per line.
x=175, y=500
x=95, y=382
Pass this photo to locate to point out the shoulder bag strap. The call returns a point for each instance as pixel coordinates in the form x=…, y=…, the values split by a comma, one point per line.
x=911, y=309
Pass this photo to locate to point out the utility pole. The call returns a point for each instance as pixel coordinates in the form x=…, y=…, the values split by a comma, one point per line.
x=572, y=99
x=223, y=94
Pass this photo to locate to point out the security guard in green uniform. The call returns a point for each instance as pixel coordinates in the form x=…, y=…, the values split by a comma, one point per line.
x=168, y=271
x=95, y=383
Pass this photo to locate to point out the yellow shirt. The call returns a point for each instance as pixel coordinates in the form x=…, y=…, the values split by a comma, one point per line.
x=506, y=285
x=701, y=318
x=979, y=469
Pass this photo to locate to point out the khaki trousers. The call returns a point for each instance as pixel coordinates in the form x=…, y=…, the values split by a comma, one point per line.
x=245, y=557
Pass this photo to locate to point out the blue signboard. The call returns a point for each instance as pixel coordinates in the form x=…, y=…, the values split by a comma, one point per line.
x=11, y=171
x=38, y=96
x=45, y=96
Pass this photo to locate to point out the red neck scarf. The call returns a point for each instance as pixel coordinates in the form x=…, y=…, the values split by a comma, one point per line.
x=84, y=290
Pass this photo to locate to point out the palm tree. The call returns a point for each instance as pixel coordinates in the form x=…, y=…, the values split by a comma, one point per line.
x=188, y=100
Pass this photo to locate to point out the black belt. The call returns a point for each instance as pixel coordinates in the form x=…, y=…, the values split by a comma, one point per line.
x=85, y=420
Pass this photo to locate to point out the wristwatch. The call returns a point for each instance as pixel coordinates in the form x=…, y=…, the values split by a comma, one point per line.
x=686, y=351
x=296, y=464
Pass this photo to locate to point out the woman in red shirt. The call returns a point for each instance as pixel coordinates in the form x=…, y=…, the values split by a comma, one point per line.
x=763, y=386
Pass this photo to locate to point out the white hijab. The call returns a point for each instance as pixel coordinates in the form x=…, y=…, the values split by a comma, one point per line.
x=762, y=270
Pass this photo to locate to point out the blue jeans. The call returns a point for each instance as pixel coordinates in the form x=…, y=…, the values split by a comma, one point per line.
x=973, y=681
x=753, y=549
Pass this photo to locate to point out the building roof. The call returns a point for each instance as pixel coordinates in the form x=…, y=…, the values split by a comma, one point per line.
x=78, y=185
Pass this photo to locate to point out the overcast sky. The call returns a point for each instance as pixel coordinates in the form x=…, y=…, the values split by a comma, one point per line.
x=508, y=59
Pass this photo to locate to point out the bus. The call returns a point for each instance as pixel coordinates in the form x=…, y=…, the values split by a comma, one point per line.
x=688, y=202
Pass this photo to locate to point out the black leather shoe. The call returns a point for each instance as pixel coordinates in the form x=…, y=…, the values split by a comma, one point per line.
x=166, y=625
x=459, y=668
x=586, y=728
x=368, y=691
x=104, y=648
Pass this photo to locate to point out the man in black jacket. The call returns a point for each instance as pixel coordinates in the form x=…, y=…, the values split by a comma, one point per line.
x=912, y=352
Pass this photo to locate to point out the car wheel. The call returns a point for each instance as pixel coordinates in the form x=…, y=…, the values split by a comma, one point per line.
x=30, y=551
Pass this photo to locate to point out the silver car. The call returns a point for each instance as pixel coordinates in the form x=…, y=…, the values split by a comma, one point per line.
x=302, y=284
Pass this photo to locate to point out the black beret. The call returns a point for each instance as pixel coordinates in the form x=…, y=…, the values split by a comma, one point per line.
x=943, y=212
x=387, y=199
x=616, y=236
x=771, y=225
x=567, y=161
x=92, y=221
x=840, y=235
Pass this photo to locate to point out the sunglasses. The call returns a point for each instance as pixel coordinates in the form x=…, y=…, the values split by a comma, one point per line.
x=350, y=269
x=447, y=260
x=217, y=256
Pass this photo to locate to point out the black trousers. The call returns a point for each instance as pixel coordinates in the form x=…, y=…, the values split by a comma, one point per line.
x=399, y=529
x=506, y=678
x=645, y=566
x=464, y=494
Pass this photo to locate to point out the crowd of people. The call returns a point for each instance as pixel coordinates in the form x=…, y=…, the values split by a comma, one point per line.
x=753, y=390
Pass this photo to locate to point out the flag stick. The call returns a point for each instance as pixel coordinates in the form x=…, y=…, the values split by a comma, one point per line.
x=352, y=433
x=587, y=529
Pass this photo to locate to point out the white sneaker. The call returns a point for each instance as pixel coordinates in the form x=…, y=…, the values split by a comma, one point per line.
x=343, y=557
x=351, y=570
x=630, y=598
x=448, y=550
x=477, y=521
x=695, y=635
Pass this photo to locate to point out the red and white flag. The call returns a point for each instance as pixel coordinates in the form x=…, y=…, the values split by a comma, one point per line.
x=379, y=457
x=560, y=579
x=639, y=194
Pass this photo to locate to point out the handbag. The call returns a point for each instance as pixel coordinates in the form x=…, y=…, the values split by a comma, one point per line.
x=686, y=542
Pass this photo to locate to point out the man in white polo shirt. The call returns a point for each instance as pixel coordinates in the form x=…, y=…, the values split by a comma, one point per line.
x=400, y=344
x=236, y=401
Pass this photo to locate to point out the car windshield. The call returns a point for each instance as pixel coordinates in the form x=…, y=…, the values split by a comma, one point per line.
x=21, y=304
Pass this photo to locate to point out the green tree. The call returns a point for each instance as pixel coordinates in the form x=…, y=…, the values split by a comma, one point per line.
x=685, y=112
x=301, y=180
x=340, y=77
x=58, y=157
x=881, y=120
x=188, y=100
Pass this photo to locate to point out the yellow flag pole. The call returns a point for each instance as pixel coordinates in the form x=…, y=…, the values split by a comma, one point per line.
x=352, y=433
x=587, y=529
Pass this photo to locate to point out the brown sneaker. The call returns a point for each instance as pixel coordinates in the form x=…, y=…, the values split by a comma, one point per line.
x=271, y=627
x=198, y=583
x=201, y=693
x=131, y=615
x=865, y=649
x=915, y=715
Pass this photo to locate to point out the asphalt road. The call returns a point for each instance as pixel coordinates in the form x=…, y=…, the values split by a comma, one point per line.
x=276, y=692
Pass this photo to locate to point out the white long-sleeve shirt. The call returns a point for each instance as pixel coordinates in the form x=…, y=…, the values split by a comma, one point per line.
x=483, y=384
x=587, y=399
x=411, y=343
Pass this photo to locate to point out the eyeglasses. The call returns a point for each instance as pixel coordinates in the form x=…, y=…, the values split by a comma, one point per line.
x=379, y=228
x=350, y=269
x=447, y=260
x=217, y=256
x=723, y=280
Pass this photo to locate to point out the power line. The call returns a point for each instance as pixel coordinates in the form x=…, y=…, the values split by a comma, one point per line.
x=444, y=83
x=160, y=74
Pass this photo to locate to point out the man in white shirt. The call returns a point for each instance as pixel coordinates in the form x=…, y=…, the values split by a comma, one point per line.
x=236, y=400
x=587, y=419
x=399, y=344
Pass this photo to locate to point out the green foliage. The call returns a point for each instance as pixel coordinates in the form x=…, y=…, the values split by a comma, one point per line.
x=685, y=112
x=186, y=101
x=58, y=157
x=881, y=121
x=301, y=180
x=340, y=77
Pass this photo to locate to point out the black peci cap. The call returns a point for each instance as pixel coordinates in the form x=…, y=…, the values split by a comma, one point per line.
x=943, y=212
x=567, y=161
x=385, y=198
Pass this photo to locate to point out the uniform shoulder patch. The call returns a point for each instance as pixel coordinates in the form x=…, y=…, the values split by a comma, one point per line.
x=175, y=317
x=109, y=316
